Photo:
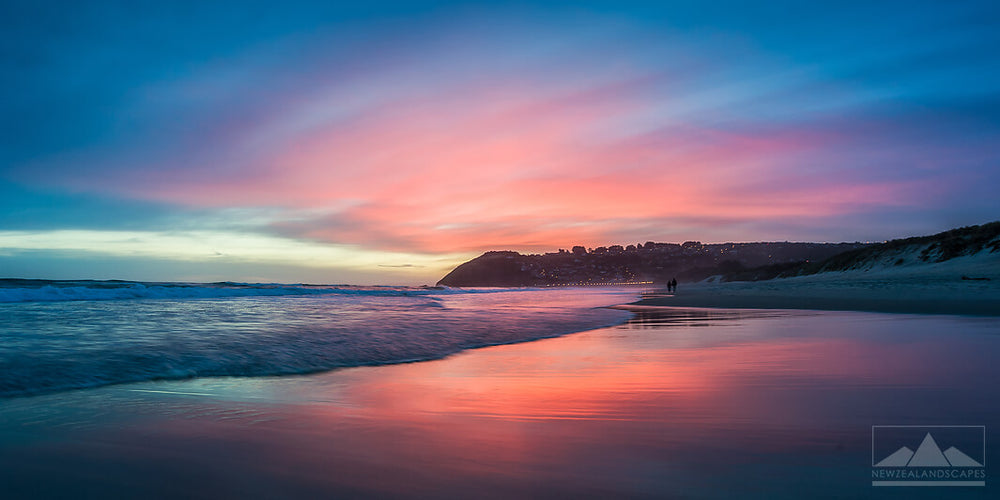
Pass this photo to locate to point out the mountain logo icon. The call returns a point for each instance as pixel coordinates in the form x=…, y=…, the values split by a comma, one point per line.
x=928, y=454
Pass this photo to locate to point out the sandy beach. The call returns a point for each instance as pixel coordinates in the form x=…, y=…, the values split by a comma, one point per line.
x=677, y=403
x=926, y=289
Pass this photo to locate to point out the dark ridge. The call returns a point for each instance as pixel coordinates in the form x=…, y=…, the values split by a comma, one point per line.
x=642, y=263
x=692, y=261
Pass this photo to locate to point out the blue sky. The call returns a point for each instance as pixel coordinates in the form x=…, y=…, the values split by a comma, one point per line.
x=387, y=142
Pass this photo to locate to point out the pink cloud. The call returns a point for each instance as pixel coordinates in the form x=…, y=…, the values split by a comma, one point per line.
x=517, y=164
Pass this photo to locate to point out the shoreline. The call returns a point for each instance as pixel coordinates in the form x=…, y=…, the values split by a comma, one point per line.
x=560, y=321
x=315, y=372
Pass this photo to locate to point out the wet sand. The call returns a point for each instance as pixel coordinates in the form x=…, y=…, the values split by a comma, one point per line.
x=676, y=404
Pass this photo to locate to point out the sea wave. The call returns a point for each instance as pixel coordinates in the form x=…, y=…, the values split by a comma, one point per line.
x=20, y=290
x=71, y=344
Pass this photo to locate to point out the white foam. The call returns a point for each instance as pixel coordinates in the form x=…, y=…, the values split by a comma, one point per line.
x=57, y=291
x=70, y=343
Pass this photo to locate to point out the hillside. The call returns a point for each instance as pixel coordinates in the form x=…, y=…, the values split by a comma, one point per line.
x=649, y=262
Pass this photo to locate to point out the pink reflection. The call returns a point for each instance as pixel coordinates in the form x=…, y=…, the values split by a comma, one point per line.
x=666, y=409
x=741, y=391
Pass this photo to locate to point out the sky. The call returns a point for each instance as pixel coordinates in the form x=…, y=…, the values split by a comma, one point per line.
x=386, y=142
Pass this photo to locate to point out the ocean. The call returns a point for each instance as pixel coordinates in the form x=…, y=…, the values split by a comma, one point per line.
x=59, y=335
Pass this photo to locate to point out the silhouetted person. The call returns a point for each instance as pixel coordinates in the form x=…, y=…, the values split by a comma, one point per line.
x=673, y=285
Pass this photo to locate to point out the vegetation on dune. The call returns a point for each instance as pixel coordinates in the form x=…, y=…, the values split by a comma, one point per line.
x=939, y=247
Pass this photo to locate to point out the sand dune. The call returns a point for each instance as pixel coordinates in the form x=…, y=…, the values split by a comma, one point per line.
x=963, y=285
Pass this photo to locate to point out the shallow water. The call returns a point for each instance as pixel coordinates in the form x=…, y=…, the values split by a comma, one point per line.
x=51, y=340
x=674, y=404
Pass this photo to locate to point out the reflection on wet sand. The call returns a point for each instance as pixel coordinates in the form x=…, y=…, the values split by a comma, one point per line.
x=656, y=316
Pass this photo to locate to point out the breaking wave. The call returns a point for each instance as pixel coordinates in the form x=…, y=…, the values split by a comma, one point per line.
x=21, y=290
x=84, y=335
